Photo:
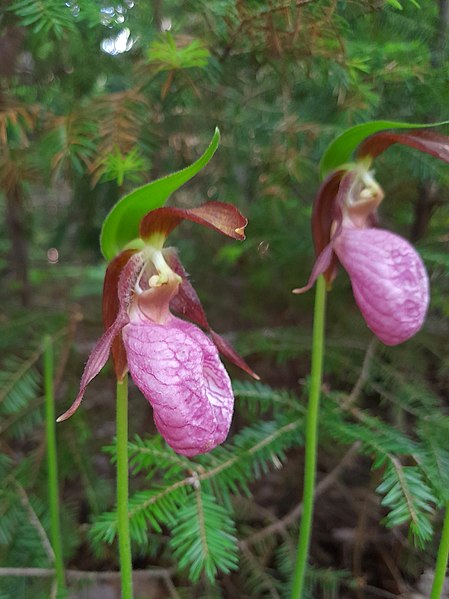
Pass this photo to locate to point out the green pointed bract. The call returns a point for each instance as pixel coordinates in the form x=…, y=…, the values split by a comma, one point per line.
x=341, y=149
x=121, y=226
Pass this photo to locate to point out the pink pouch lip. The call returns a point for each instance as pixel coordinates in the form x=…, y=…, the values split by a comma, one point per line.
x=389, y=281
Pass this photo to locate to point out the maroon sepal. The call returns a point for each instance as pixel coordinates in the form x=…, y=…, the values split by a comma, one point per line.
x=224, y=218
x=111, y=306
x=187, y=304
x=425, y=141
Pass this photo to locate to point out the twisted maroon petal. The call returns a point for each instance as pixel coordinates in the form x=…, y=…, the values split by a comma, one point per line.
x=187, y=304
x=97, y=359
x=224, y=218
x=178, y=370
x=100, y=353
x=425, y=141
x=389, y=281
x=111, y=307
x=327, y=222
x=322, y=264
x=325, y=212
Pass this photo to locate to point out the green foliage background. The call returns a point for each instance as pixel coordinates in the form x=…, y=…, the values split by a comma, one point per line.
x=82, y=122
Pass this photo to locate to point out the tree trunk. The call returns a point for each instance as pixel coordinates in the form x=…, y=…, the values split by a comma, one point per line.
x=11, y=42
x=424, y=206
x=157, y=14
x=18, y=253
x=440, y=52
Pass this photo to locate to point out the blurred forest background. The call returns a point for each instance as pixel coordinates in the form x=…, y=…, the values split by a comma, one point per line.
x=99, y=96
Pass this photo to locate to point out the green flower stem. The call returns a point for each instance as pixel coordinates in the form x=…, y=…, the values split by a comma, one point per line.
x=311, y=439
x=124, y=541
x=52, y=463
x=442, y=559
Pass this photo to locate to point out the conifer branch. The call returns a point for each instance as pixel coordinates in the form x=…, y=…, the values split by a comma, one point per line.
x=364, y=375
x=18, y=374
x=35, y=522
x=257, y=447
x=201, y=522
x=257, y=570
x=86, y=575
x=279, y=526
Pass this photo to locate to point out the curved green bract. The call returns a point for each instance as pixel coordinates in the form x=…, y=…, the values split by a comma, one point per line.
x=340, y=150
x=121, y=225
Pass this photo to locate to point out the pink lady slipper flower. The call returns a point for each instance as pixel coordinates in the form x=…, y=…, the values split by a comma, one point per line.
x=388, y=278
x=171, y=360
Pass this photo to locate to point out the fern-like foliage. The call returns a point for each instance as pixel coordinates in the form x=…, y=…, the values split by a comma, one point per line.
x=407, y=495
x=258, y=578
x=203, y=537
x=434, y=458
x=146, y=508
x=16, y=120
x=319, y=582
x=70, y=140
x=193, y=498
x=44, y=16
x=169, y=54
x=409, y=499
x=261, y=398
x=121, y=118
x=20, y=405
x=131, y=166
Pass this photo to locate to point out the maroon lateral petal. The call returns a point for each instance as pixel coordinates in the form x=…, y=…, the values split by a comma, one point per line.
x=188, y=305
x=100, y=353
x=324, y=210
x=226, y=349
x=224, y=218
x=111, y=306
x=97, y=359
x=327, y=219
x=322, y=265
x=425, y=141
x=324, y=213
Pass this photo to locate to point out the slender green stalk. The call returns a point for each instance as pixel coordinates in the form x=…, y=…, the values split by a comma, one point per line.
x=124, y=541
x=311, y=439
x=52, y=463
x=442, y=559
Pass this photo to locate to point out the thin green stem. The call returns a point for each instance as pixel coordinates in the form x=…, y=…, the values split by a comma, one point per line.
x=442, y=559
x=52, y=463
x=311, y=439
x=124, y=541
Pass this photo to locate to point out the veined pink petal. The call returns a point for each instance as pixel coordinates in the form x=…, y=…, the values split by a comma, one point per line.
x=389, y=281
x=177, y=368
